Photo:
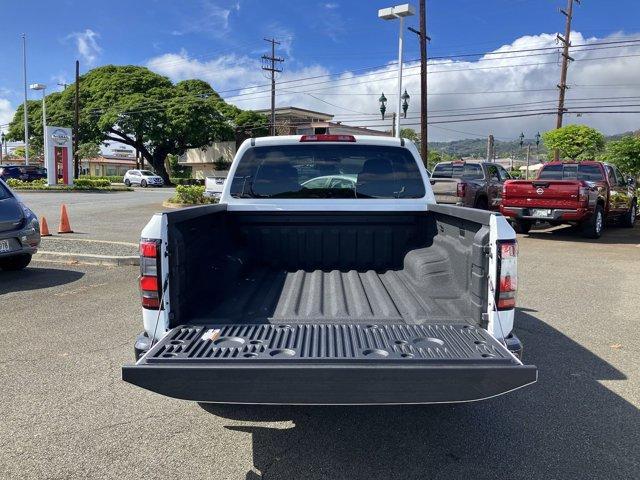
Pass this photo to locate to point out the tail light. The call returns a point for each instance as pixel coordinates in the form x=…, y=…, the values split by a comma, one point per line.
x=507, y=274
x=461, y=189
x=583, y=195
x=149, y=273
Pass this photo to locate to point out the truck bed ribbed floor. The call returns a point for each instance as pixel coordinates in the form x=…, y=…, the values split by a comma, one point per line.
x=275, y=296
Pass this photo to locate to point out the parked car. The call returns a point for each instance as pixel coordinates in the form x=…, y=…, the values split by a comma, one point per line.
x=282, y=294
x=143, y=178
x=588, y=194
x=26, y=173
x=19, y=231
x=213, y=186
x=469, y=184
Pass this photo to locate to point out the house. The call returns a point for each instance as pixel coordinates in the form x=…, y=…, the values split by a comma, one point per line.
x=289, y=121
x=107, y=165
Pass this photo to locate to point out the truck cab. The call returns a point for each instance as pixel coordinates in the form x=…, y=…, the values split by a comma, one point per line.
x=291, y=291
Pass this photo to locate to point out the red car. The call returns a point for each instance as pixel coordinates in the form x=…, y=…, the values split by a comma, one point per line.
x=588, y=194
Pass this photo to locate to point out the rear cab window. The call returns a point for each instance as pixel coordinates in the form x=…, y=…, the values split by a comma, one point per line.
x=589, y=173
x=468, y=171
x=327, y=171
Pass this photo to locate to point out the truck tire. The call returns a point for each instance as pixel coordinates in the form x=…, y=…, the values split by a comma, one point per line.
x=522, y=226
x=594, y=226
x=19, y=262
x=481, y=204
x=629, y=218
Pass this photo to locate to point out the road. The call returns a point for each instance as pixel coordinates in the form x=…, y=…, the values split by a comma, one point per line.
x=67, y=414
x=117, y=216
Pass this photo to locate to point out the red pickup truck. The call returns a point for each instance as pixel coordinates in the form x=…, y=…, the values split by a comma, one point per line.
x=588, y=194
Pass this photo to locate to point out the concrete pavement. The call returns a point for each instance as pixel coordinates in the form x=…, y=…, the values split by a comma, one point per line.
x=67, y=414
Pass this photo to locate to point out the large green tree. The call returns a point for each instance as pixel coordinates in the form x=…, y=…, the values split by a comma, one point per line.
x=575, y=142
x=625, y=153
x=137, y=107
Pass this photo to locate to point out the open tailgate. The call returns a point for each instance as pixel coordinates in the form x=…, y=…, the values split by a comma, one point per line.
x=329, y=364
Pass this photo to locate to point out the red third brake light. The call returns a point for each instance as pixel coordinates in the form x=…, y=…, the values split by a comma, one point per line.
x=327, y=138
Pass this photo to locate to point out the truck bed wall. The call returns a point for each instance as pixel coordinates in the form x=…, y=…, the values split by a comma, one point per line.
x=218, y=259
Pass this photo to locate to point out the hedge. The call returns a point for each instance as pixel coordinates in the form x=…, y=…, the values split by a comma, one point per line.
x=79, y=185
x=190, y=195
x=186, y=181
x=110, y=178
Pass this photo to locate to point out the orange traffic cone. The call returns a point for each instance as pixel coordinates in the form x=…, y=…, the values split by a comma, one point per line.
x=44, y=228
x=64, y=220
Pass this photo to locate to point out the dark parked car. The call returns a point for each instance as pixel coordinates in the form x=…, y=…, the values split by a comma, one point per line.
x=469, y=184
x=19, y=231
x=26, y=173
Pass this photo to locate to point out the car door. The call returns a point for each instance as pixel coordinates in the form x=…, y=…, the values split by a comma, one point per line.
x=616, y=198
x=623, y=193
x=494, y=186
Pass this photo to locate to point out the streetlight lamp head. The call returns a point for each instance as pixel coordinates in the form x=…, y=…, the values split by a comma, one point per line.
x=37, y=86
x=383, y=106
x=382, y=98
x=390, y=13
x=405, y=103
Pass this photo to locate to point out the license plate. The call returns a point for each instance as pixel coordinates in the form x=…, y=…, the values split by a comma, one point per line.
x=4, y=246
x=540, y=212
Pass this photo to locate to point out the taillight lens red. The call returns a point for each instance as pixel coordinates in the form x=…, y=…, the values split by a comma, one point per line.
x=327, y=138
x=583, y=195
x=508, y=271
x=461, y=190
x=149, y=266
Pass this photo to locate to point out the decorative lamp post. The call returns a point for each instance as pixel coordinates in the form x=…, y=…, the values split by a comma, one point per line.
x=2, y=138
x=405, y=102
x=383, y=104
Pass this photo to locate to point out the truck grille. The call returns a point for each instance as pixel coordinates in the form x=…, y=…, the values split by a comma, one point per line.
x=306, y=342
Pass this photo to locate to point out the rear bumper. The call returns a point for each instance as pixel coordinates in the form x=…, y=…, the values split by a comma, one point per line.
x=330, y=364
x=557, y=214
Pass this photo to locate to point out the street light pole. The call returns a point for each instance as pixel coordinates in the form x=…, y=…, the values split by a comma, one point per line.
x=391, y=13
x=43, y=87
x=26, y=111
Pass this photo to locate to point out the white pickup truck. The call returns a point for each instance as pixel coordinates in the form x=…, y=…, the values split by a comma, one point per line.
x=297, y=289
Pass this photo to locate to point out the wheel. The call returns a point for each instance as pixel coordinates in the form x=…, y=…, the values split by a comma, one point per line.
x=143, y=184
x=481, y=204
x=629, y=219
x=127, y=182
x=522, y=226
x=594, y=226
x=18, y=262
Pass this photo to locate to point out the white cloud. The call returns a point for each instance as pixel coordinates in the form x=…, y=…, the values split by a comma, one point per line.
x=330, y=5
x=87, y=45
x=211, y=19
x=521, y=80
x=6, y=113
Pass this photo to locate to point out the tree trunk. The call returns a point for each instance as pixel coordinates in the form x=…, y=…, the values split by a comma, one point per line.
x=157, y=159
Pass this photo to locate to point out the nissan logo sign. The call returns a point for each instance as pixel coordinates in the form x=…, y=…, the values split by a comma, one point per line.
x=60, y=137
x=540, y=191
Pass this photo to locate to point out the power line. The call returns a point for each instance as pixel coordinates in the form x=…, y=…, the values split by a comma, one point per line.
x=269, y=65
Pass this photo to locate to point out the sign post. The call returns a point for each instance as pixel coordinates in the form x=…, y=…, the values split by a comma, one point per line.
x=58, y=156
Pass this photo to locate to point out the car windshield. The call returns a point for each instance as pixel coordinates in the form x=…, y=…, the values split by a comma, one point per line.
x=470, y=171
x=590, y=173
x=327, y=171
x=146, y=173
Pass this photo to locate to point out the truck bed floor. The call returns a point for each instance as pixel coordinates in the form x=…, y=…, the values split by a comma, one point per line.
x=266, y=295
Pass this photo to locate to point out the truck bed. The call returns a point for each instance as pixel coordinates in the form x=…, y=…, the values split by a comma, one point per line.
x=267, y=295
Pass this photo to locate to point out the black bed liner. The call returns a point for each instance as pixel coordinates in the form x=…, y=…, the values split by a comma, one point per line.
x=329, y=364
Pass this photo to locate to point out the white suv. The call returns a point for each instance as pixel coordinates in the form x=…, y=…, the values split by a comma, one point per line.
x=143, y=178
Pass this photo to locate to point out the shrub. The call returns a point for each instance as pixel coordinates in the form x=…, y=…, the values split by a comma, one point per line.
x=186, y=181
x=110, y=178
x=190, y=194
x=16, y=183
x=92, y=182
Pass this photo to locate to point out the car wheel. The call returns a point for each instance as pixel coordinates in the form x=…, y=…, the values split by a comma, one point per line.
x=127, y=182
x=18, y=262
x=629, y=218
x=593, y=228
x=522, y=226
x=143, y=184
x=481, y=204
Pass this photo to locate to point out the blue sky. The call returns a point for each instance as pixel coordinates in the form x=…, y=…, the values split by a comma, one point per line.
x=222, y=41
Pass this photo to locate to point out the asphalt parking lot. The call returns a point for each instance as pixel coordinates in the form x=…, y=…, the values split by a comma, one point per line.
x=67, y=414
x=116, y=216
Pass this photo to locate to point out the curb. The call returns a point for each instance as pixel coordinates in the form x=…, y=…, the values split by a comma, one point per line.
x=86, y=259
x=168, y=204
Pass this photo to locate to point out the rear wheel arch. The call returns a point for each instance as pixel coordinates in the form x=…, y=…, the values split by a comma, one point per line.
x=481, y=199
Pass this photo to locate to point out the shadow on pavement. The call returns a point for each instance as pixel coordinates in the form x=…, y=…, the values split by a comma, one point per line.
x=35, y=278
x=612, y=235
x=566, y=426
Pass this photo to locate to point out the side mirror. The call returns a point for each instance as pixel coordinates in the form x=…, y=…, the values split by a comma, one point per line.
x=631, y=182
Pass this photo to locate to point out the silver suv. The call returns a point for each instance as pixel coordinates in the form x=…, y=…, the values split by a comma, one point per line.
x=19, y=231
x=143, y=178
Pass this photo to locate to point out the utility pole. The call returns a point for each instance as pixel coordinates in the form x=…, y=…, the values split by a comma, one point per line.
x=422, y=34
x=490, y=148
x=76, y=122
x=566, y=41
x=393, y=124
x=269, y=65
x=26, y=111
x=528, y=156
